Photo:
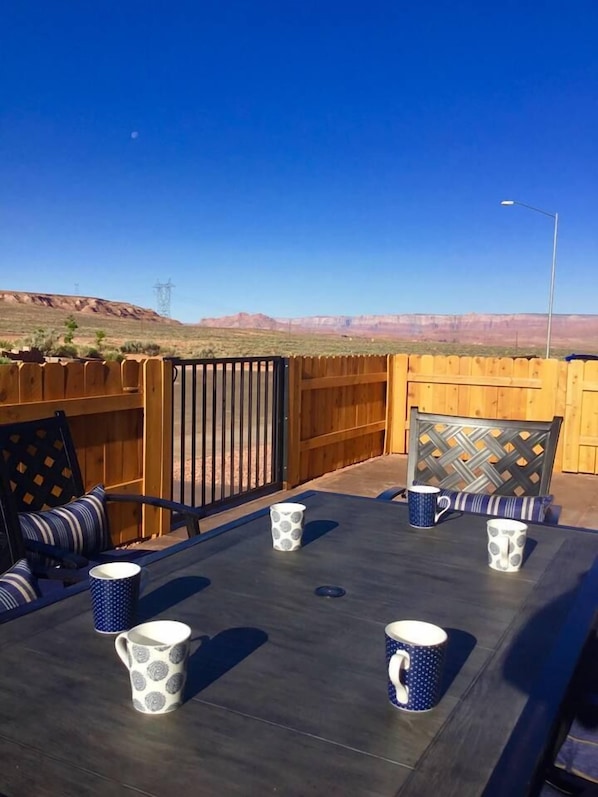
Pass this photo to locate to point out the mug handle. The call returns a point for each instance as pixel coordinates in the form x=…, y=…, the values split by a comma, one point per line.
x=120, y=643
x=446, y=508
x=399, y=661
x=503, y=543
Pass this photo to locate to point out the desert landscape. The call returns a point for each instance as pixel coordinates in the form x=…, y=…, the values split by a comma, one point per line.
x=121, y=324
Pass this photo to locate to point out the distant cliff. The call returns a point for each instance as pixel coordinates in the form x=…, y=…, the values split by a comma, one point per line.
x=83, y=304
x=523, y=328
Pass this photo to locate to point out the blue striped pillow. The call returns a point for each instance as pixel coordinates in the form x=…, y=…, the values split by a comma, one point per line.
x=17, y=586
x=532, y=508
x=81, y=526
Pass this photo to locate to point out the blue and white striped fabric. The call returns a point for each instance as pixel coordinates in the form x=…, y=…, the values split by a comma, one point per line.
x=532, y=508
x=17, y=586
x=81, y=526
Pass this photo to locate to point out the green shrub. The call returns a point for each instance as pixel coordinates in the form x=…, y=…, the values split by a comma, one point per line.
x=71, y=326
x=5, y=361
x=65, y=350
x=112, y=355
x=132, y=347
x=151, y=349
x=204, y=354
x=92, y=352
x=46, y=340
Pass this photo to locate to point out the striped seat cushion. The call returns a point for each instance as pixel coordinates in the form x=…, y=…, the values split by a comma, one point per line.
x=18, y=586
x=532, y=508
x=81, y=526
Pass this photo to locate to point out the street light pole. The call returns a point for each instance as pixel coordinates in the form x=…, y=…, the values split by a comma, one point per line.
x=554, y=216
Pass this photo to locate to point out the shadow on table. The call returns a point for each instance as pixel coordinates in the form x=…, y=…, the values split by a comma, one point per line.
x=218, y=654
x=168, y=595
x=315, y=529
x=459, y=647
x=530, y=544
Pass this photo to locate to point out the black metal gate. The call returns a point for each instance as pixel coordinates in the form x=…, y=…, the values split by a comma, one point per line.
x=228, y=422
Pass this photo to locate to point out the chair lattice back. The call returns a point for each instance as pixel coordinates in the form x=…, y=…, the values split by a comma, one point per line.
x=38, y=470
x=482, y=455
x=40, y=464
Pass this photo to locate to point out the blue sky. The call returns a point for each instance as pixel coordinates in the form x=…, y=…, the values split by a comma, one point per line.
x=300, y=158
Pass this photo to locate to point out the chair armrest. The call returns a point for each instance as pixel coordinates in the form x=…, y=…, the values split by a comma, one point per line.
x=69, y=559
x=191, y=514
x=392, y=492
x=64, y=574
x=552, y=515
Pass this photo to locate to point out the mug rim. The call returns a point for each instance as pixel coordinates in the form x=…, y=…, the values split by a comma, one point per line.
x=405, y=631
x=123, y=570
x=176, y=632
x=423, y=488
x=288, y=506
x=503, y=525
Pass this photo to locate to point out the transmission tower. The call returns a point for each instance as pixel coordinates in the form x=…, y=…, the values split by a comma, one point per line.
x=163, y=290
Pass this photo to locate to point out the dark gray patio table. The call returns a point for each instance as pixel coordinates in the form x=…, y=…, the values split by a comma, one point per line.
x=287, y=690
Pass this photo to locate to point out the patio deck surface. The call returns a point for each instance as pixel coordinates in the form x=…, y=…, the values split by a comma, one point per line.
x=577, y=493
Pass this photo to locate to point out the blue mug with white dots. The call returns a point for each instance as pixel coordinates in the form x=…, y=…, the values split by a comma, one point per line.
x=426, y=506
x=114, y=589
x=415, y=653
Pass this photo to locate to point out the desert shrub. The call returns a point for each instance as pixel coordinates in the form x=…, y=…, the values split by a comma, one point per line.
x=6, y=345
x=132, y=347
x=71, y=327
x=65, y=350
x=112, y=355
x=46, y=340
x=100, y=338
x=151, y=349
x=92, y=352
x=204, y=354
x=5, y=360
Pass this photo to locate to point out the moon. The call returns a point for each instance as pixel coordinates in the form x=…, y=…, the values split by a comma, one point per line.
x=135, y=134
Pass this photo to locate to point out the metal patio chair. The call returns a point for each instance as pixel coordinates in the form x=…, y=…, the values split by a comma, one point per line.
x=42, y=496
x=482, y=456
x=23, y=583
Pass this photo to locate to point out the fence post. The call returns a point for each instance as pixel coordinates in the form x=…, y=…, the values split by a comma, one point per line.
x=293, y=422
x=396, y=404
x=157, y=442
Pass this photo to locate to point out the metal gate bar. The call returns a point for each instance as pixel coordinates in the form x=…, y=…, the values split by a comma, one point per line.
x=228, y=423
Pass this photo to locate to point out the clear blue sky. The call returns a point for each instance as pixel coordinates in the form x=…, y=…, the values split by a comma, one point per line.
x=301, y=157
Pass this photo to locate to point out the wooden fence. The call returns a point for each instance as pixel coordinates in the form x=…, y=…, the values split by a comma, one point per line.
x=341, y=410
x=337, y=413
x=119, y=414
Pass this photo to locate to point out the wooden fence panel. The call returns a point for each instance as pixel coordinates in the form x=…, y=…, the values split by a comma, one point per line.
x=105, y=416
x=484, y=387
x=341, y=402
x=581, y=420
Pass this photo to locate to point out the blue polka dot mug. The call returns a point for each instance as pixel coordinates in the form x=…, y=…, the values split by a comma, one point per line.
x=423, y=503
x=506, y=543
x=114, y=588
x=156, y=656
x=415, y=653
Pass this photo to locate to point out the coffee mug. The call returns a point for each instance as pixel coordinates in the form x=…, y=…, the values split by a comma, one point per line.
x=286, y=522
x=156, y=655
x=415, y=653
x=423, y=502
x=506, y=543
x=114, y=589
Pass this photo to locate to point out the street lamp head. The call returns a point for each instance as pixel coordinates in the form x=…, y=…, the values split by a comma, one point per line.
x=508, y=202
